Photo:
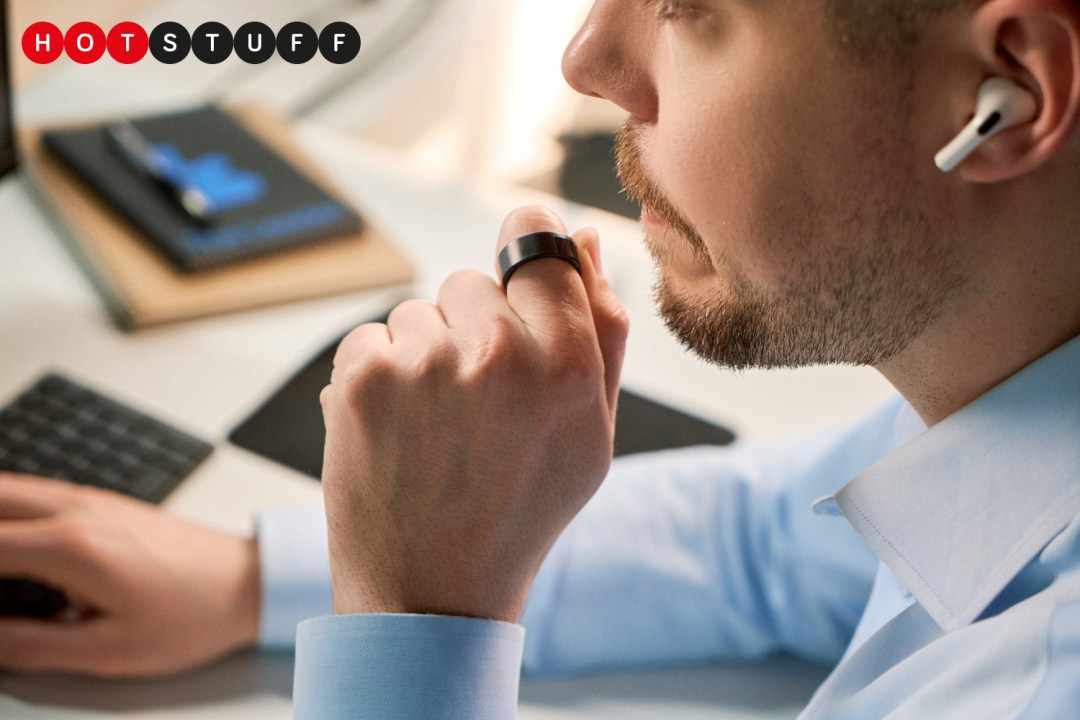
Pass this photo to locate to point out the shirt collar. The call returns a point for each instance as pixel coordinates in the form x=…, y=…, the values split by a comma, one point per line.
x=959, y=510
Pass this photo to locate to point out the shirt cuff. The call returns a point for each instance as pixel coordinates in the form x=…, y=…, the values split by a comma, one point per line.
x=406, y=667
x=294, y=563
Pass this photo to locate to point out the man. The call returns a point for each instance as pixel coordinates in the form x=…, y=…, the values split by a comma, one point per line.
x=783, y=154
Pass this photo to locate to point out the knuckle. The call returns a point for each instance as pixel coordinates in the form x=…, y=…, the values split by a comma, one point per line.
x=435, y=363
x=466, y=277
x=569, y=318
x=575, y=368
x=619, y=325
x=67, y=493
x=498, y=347
x=573, y=360
x=366, y=376
x=356, y=345
x=408, y=307
x=75, y=537
x=88, y=496
x=413, y=304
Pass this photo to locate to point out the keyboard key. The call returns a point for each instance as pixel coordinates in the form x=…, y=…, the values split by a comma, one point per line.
x=60, y=428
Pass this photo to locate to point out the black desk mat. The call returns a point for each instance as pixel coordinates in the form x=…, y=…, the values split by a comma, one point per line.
x=288, y=427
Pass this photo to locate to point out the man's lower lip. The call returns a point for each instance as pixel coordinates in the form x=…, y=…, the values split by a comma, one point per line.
x=651, y=217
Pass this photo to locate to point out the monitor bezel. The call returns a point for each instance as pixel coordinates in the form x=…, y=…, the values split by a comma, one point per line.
x=7, y=125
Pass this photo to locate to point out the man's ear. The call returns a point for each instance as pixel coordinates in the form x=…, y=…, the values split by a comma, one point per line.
x=1035, y=43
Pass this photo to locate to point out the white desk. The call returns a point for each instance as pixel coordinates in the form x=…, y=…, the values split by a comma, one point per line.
x=206, y=376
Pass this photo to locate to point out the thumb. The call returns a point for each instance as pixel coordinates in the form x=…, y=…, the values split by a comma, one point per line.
x=609, y=317
x=37, y=645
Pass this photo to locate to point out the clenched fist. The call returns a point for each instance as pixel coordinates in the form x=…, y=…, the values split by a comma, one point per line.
x=463, y=436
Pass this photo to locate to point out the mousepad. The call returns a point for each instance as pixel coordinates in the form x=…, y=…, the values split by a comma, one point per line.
x=288, y=427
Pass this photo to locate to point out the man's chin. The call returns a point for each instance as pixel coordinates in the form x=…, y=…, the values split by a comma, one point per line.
x=709, y=334
x=677, y=263
x=723, y=325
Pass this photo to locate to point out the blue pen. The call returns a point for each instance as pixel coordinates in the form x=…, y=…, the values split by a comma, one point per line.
x=140, y=154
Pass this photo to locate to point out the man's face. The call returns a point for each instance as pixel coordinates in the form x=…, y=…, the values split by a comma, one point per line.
x=791, y=209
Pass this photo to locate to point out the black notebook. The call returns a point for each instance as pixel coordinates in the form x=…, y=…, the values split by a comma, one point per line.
x=288, y=428
x=259, y=203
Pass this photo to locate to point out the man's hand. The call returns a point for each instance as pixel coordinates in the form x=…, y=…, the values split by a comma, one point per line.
x=463, y=436
x=152, y=594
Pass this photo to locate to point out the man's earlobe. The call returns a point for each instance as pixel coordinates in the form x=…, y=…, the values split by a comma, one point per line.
x=1036, y=43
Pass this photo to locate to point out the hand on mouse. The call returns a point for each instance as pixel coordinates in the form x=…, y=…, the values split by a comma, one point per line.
x=152, y=594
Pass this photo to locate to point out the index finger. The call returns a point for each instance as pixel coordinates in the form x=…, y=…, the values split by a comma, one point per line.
x=545, y=293
x=27, y=497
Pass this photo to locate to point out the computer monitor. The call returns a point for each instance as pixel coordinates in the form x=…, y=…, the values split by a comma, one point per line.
x=7, y=140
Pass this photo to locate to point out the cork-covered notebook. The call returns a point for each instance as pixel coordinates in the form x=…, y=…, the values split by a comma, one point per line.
x=142, y=287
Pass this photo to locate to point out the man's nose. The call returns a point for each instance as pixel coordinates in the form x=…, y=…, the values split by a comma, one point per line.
x=610, y=55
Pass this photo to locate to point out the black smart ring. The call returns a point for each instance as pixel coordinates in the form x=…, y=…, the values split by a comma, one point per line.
x=533, y=247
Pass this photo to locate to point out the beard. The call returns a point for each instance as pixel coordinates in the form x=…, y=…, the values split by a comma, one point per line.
x=859, y=303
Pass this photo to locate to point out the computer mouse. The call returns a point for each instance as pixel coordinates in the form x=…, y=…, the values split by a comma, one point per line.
x=29, y=598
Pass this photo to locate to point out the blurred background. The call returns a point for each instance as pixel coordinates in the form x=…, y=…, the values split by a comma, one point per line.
x=460, y=87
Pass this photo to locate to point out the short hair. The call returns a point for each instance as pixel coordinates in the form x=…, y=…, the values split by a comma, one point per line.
x=883, y=29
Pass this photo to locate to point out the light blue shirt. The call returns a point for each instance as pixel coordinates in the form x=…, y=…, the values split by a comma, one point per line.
x=714, y=554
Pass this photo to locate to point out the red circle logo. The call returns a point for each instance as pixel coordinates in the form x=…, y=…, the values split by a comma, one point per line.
x=128, y=43
x=42, y=42
x=85, y=42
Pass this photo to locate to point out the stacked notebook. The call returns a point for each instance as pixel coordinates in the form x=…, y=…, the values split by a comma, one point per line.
x=267, y=227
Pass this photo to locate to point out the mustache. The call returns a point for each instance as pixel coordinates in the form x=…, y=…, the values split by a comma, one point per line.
x=641, y=189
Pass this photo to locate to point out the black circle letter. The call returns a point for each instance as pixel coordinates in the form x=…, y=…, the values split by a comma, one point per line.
x=254, y=43
x=297, y=43
x=212, y=42
x=339, y=42
x=170, y=43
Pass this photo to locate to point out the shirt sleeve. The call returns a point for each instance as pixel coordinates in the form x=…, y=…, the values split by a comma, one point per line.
x=294, y=565
x=709, y=554
x=406, y=667
x=686, y=555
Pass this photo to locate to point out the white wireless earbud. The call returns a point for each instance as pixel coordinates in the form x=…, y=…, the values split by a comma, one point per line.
x=1001, y=104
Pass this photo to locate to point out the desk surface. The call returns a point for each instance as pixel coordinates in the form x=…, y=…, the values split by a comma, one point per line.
x=208, y=375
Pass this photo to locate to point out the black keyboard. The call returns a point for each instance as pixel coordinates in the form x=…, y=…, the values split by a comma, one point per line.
x=60, y=429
